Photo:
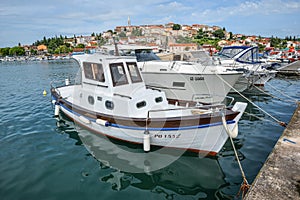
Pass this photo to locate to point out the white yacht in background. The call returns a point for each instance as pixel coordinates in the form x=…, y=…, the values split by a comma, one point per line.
x=182, y=81
x=246, y=59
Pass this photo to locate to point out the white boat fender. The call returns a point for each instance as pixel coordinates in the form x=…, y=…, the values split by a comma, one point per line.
x=146, y=141
x=102, y=122
x=67, y=81
x=56, y=109
x=84, y=120
x=235, y=130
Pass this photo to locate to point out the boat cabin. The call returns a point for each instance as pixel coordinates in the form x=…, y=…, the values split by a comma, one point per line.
x=114, y=85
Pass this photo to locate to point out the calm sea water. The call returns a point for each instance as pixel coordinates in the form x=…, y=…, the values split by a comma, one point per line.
x=42, y=158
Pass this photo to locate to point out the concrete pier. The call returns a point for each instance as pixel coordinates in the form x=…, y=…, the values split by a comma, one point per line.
x=279, y=178
x=292, y=69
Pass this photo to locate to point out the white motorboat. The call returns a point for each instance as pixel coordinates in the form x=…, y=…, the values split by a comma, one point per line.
x=112, y=99
x=246, y=59
x=182, y=81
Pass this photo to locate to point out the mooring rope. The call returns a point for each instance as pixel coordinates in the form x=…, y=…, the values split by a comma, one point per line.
x=261, y=118
x=245, y=185
x=274, y=88
x=275, y=119
x=277, y=90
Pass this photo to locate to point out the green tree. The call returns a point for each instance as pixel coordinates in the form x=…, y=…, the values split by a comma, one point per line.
x=181, y=39
x=219, y=34
x=80, y=46
x=62, y=49
x=137, y=32
x=17, y=51
x=176, y=27
x=52, y=46
x=122, y=34
x=230, y=36
x=200, y=34
x=4, y=51
x=33, y=51
x=261, y=47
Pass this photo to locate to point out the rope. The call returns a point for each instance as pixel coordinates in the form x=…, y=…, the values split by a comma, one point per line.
x=278, y=121
x=260, y=118
x=293, y=99
x=244, y=186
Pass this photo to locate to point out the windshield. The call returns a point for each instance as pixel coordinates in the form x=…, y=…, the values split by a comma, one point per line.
x=140, y=54
x=230, y=52
x=134, y=72
x=145, y=55
x=118, y=74
x=250, y=56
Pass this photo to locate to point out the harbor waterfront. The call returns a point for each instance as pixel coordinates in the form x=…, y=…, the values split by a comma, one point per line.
x=44, y=159
x=281, y=170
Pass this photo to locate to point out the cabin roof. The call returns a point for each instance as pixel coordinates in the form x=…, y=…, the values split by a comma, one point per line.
x=99, y=58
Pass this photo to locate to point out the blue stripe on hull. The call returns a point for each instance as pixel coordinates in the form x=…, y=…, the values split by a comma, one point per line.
x=153, y=129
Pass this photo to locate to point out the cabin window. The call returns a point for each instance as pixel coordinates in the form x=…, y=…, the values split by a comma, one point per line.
x=134, y=72
x=178, y=84
x=118, y=74
x=158, y=99
x=141, y=104
x=94, y=71
x=109, y=105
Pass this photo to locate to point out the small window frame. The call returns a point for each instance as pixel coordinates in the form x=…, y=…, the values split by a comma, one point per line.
x=134, y=72
x=114, y=69
x=94, y=71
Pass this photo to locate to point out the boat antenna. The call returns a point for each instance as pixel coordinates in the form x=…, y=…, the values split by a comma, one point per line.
x=116, y=47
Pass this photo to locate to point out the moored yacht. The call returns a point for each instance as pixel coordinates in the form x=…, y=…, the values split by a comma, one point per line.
x=246, y=59
x=111, y=99
x=182, y=81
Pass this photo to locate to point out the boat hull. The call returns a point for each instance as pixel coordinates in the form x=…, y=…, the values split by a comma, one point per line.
x=206, y=136
x=202, y=88
x=207, y=139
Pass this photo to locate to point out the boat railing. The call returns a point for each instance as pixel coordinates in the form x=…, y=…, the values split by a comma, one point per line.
x=198, y=97
x=60, y=83
x=210, y=108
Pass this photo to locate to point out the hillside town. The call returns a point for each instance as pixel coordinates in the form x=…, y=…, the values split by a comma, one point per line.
x=170, y=38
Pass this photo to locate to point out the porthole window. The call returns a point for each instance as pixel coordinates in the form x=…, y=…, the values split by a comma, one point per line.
x=109, y=105
x=91, y=100
x=158, y=99
x=141, y=104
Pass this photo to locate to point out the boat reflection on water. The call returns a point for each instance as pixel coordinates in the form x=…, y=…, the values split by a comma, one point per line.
x=165, y=171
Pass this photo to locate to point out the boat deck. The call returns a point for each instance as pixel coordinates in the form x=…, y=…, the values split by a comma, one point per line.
x=279, y=178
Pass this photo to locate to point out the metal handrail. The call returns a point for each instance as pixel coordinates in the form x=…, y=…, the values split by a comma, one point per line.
x=184, y=108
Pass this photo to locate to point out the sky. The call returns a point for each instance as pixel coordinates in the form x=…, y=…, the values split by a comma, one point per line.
x=28, y=21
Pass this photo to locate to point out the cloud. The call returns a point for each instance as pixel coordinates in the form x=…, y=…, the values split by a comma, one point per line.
x=248, y=8
x=68, y=17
